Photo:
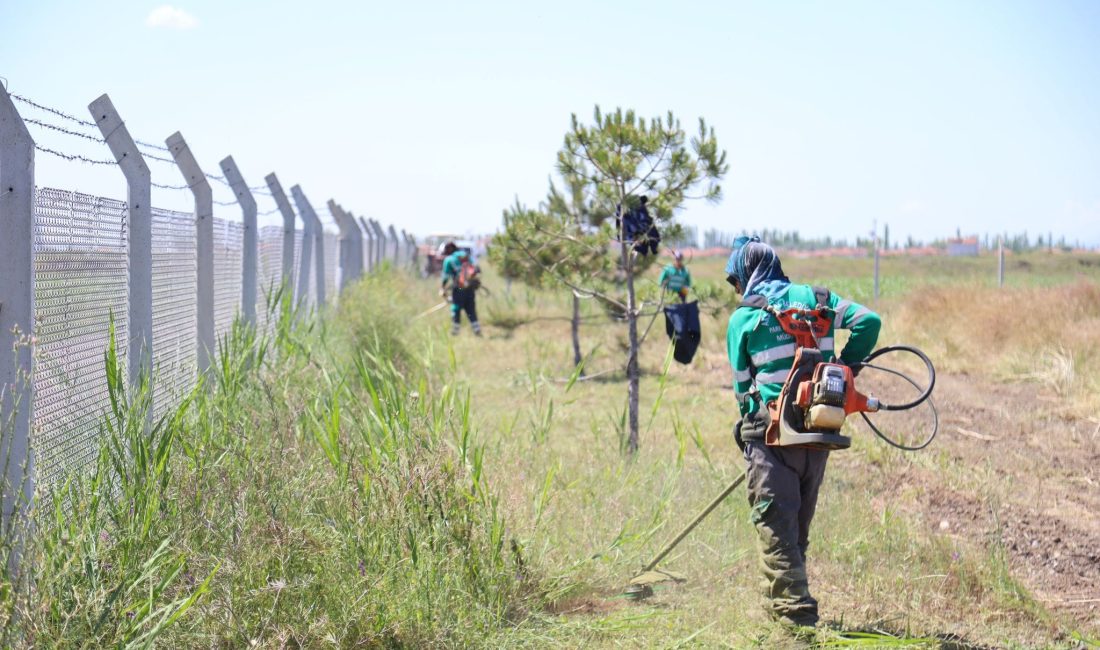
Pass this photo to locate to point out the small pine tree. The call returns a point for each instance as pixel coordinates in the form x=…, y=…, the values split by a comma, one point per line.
x=612, y=162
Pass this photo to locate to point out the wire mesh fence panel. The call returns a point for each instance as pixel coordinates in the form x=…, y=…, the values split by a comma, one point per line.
x=174, y=317
x=228, y=250
x=81, y=281
x=310, y=286
x=332, y=260
x=269, y=272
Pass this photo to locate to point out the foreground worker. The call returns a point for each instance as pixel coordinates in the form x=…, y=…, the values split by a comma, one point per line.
x=675, y=277
x=783, y=482
x=463, y=277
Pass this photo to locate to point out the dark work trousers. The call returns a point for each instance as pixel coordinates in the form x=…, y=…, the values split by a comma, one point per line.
x=462, y=300
x=783, y=483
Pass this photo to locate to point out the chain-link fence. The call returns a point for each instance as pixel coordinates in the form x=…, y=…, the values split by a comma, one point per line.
x=78, y=272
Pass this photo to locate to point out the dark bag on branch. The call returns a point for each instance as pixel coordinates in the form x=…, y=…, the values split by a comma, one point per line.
x=682, y=326
x=638, y=227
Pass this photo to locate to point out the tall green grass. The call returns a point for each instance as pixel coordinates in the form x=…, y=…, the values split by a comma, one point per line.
x=322, y=485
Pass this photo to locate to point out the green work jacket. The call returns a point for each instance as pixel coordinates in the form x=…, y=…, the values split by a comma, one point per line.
x=761, y=353
x=675, y=278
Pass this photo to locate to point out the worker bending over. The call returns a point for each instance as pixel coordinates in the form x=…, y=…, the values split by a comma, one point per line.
x=675, y=277
x=463, y=277
x=783, y=482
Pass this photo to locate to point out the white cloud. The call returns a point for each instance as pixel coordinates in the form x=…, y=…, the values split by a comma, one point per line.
x=170, y=17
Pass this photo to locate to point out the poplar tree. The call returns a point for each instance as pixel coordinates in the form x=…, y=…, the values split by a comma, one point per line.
x=607, y=166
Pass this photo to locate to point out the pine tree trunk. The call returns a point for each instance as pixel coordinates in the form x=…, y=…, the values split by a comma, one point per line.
x=632, y=374
x=576, y=327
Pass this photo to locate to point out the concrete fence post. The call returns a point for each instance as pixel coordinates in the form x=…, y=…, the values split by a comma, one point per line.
x=396, y=245
x=317, y=236
x=343, y=243
x=204, y=247
x=357, y=238
x=368, y=226
x=16, y=312
x=283, y=204
x=379, y=241
x=414, y=251
x=369, y=233
x=405, y=246
x=356, y=241
x=250, y=254
x=139, y=221
x=345, y=261
x=305, y=254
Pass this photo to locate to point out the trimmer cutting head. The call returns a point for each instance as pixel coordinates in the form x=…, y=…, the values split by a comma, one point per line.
x=641, y=585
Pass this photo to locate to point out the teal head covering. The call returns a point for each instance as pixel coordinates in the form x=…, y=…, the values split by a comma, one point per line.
x=756, y=267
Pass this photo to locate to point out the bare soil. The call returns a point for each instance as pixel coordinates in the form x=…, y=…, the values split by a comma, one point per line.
x=1036, y=489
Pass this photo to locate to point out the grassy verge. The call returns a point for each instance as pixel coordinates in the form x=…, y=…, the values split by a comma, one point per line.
x=322, y=487
x=590, y=517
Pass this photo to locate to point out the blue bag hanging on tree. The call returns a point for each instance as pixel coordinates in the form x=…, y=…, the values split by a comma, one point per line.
x=682, y=326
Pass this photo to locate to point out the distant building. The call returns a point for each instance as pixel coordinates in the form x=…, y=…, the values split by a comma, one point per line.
x=963, y=247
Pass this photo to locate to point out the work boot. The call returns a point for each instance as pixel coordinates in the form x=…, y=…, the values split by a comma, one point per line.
x=455, y=329
x=476, y=327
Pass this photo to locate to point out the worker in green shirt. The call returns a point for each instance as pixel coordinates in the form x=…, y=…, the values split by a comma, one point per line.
x=675, y=277
x=783, y=482
x=463, y=278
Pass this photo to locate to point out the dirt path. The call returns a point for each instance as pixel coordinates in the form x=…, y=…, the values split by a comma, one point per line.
x=1042, y=471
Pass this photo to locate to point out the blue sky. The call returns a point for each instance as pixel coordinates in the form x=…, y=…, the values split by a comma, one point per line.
x=924, y=115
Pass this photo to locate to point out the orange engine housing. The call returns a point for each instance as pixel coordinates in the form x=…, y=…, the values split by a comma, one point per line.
x=854, y=401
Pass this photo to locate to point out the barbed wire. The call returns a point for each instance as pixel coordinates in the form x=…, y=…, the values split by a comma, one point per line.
x=56, y=112
x=150, y=145
x=259, y=189
x=157, y=158
x=61, y=129
x=169, y=187
x=73, y=157
x=268, y=212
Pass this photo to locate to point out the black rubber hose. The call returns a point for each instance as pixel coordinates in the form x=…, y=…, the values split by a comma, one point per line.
x=925, y=395
x=866, y=363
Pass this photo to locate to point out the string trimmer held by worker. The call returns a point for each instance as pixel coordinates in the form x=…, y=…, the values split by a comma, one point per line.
x=764, y=344
x=463, y=277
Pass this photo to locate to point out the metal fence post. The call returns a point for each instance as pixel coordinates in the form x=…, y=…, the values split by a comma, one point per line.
x=876, y=267
x=16, y=312
x=251, y=244
x=204, y=247
x=279, y=195
x=139, y=221
x=317, y=236
x=1000, y=261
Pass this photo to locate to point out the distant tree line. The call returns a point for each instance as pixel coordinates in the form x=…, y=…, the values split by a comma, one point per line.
x=793, y=240
x=789, y=240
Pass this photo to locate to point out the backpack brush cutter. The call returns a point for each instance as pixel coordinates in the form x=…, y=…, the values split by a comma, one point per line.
x=812, y=407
